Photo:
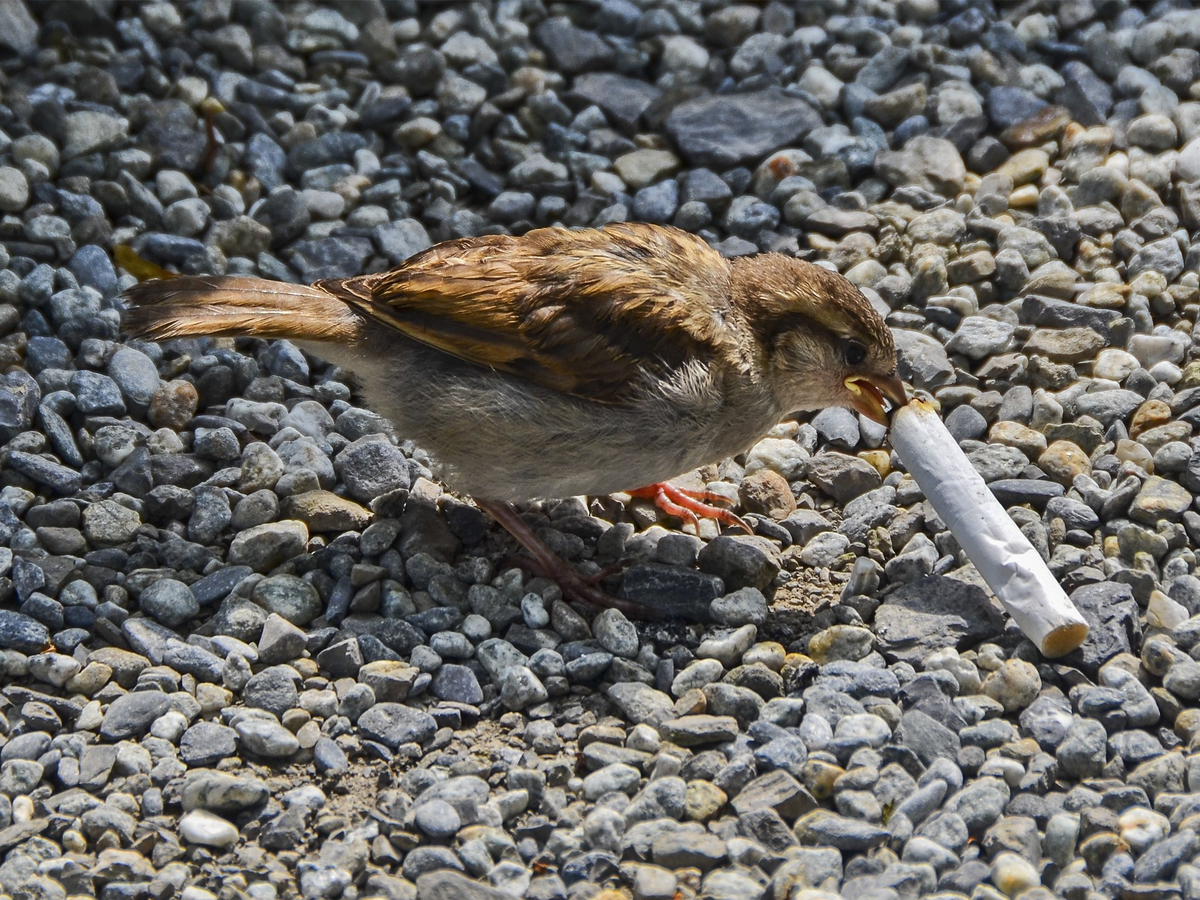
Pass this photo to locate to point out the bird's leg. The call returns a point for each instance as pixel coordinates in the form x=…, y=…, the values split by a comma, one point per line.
x=550, y=565
x=687, y=504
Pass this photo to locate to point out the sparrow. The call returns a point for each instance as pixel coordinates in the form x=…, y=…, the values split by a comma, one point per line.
x=567, y=362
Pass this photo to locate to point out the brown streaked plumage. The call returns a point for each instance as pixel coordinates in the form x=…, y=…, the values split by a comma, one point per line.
x=567, y=362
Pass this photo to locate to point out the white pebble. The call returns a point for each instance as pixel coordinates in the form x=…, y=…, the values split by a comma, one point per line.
x=170, y=726
x=1140, y=827
x=1163, y=612
x=73, y=841
x=1002, y=767
x=22, y=809
x=1012, y=874
x=786, y=457
x=1166, y=372
x=202, y=827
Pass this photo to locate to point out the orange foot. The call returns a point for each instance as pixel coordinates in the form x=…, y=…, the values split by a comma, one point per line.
x=688, y=504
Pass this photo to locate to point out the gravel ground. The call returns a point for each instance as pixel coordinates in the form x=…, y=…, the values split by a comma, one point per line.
x=252, y=648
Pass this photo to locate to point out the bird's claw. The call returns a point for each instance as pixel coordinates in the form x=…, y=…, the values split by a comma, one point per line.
x=687, y=504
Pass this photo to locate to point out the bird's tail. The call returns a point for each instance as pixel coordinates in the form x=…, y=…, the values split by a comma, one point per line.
x=229, y=306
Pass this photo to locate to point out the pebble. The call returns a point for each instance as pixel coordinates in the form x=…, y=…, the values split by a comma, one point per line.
x=169, y=602
x=131, y=715
x=207, y=830
x=266, y=738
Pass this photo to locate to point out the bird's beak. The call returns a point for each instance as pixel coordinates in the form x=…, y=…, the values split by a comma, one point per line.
x=869, y=395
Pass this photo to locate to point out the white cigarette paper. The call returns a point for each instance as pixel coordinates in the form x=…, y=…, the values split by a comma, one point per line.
x=1004, y=557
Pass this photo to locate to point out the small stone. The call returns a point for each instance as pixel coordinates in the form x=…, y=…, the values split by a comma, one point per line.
x=438, y=819
x=927, y=162
x=294, y=599
x=978, y=337
x=728, y=647
x=1159, y=499
x=767, y=493
x=173, y=404
x=841, y=476
x=447, y=884
x=324, y=511
x=1014, y=685
x=22, y=633
x=14, y=190
x=1063, y=461
x=828, y=829
x=841, y=642
x=456, y=683
x=747, y=606
x=372, y=467
x=131, y=715
x=741, y=561
x=207, y=743
x=724, y=130
x=616, y=633
x=824, y=549
x=329, y=757
x=207, y=830
x=642, y=168
x=107, y=523
x=281, y=641
x=264, y=547
x=394, y=724
x=1013, y=874
x=521, y=688
x=639, y=702
x=169, y=602
x=265, y=737
x=89, y=131
x=1082, y=752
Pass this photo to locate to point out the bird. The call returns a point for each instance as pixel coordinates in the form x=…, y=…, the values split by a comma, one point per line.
x=566, y=362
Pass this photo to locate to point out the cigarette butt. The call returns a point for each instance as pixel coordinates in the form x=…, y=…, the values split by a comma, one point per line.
x=1004, y=557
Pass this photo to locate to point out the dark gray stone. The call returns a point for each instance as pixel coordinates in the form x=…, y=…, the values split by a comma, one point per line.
x=926, y=737
x=1019, y=491
x=1086, y=96
x=622, y=98
x=572, y=49
x=394, y=724
x=1007, y=106
x=169, y=602
x=722, y=130
x=933, y=613
x=671, y=591
x=131, y=715
x=331, y=257
x=207, y=743
x=1112, y=616
x=456, y=683
x=21, y=633
x=19, y=397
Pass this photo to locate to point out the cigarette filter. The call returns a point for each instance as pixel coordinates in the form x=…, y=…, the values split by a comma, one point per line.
x=1004, y=557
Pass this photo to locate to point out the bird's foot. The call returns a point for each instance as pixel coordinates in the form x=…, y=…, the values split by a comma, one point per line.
x=687, y=504
x=544, y=562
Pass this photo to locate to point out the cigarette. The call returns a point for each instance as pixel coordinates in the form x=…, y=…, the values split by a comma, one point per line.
x=1004, y=557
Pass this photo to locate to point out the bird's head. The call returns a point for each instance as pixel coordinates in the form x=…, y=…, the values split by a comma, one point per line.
x=825, y=344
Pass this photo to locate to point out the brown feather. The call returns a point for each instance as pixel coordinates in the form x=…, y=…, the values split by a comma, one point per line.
x=582, y=312
x=227, y=306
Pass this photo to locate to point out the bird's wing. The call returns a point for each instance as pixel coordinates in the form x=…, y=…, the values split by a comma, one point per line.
x=584, y=312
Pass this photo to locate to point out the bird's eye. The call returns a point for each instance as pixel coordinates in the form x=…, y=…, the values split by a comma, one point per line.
x=854, y=352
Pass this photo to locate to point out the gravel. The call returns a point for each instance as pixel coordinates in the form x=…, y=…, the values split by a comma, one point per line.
x=247, y=638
